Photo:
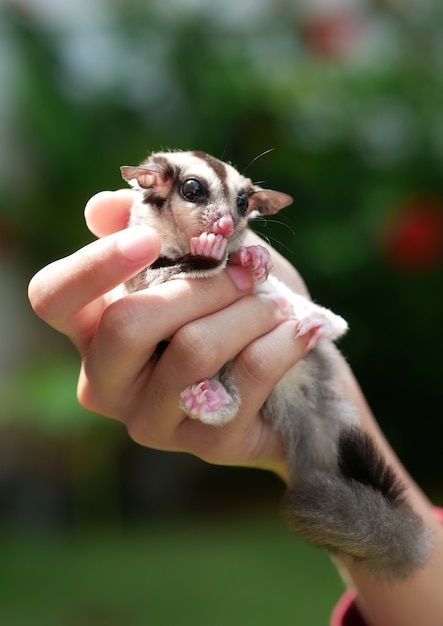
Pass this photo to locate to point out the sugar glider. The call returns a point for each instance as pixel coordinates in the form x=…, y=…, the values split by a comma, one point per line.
x=342, y=495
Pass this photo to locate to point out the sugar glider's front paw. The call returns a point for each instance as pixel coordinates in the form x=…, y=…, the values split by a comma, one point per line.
x=321, y=324
x=209, y=402
x=209, y=245
x=255, y=257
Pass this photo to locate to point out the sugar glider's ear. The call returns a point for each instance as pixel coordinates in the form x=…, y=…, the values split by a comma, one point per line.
x=267, y=201
x=147, y=176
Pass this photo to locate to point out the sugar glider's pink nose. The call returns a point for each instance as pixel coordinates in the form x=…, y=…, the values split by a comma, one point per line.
x=223, y=226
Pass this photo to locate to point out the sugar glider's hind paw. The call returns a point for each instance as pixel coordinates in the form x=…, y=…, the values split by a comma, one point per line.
x=321, y=324
x=209, y=402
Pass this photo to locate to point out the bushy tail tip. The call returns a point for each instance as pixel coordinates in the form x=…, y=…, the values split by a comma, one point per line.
x=360, y=511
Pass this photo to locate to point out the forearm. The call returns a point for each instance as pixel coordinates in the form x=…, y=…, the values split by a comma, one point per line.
x=418, y=599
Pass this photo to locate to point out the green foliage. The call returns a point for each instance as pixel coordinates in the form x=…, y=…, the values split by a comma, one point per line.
x=42, y=395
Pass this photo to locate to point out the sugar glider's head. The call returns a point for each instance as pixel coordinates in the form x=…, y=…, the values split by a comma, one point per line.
x=184, y=194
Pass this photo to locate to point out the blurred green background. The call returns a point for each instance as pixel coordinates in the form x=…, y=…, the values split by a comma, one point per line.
x=348, y=95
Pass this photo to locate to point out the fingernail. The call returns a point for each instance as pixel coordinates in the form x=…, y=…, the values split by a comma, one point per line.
x=280, y=300
x=241, y=276
x=135, y=243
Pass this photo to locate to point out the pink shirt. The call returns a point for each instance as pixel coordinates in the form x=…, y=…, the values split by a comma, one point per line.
x=346, y=612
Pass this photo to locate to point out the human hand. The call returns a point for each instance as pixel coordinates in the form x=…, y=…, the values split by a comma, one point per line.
x=208, y=322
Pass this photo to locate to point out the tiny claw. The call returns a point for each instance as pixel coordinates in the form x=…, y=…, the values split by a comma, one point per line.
x=205, y=400
x=316, y=335
x=255, y=257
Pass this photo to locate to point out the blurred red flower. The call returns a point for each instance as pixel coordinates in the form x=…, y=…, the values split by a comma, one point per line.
x=412, y=237
x=332, y=33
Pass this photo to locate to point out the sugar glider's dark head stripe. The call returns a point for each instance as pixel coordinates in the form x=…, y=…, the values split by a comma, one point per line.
x=218, y=167
x=165, y=165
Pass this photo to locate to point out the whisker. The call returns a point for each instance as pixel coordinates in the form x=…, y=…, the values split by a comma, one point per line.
x=273, y=220
x=276, y=243
x=271, y=239
x=256, y=159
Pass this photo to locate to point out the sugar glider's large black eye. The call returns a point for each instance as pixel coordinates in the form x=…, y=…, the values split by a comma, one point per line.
x=242, y=203
x=193, y=190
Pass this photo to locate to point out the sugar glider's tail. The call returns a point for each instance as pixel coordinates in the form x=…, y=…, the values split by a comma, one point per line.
x=360, y=511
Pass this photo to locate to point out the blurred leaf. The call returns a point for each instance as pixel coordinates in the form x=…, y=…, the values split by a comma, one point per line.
x=43, y=394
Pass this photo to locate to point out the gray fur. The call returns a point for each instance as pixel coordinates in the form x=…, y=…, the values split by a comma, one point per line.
x=342, y=496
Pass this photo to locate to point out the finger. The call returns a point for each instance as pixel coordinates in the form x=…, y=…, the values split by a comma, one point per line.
x=131, y=328
x=197, y=350
x=108, y=211
x=256, y=371
x=262, y=364
x=66, y=294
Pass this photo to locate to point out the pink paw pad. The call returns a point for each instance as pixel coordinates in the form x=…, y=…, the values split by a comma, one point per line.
x=255, y=257
x=209, y=245
x=203, y=399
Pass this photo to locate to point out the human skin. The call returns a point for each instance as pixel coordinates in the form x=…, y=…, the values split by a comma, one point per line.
x=208, y=322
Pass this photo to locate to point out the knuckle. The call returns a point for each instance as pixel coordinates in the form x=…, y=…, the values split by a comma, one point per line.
x=199, y=351
x=255, y=364
x=89, y=396
x=87, y=399
x=39, y=297
x=120, y=323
